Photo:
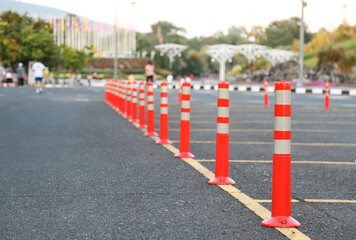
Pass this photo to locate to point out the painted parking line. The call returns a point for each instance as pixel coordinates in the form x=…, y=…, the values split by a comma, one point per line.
x=250, y=203
x=245, y=114
x=270, y=161
x=270, y=201
x=293, y=144
x=312, y=201
x=265, y=130
x=329, y=201
x=266, y=121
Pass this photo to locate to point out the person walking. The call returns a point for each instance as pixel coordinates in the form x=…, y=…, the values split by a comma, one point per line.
x=149, y=71
x=20, y=74
x=8, y=75
x=38, y=69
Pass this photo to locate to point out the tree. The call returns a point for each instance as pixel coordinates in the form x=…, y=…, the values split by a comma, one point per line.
x=344, y=32
x=281, y=33
x=320, y=40
x=166, y=28
x=258, y=33
x=195, y=64
x=8, y=46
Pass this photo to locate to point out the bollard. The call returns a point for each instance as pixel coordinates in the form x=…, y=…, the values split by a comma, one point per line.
x=179, y=91
x=222, y=138
x=150, y=111
x=120, y=97
x=163, y=132
x=106, y=92
x=327, y=105
x=266, y=93
x=142, y=105
x=116, y=95
x=184, y=147
x=128, y=101
x=134, y=102
x=124, y=100
x=281, y=177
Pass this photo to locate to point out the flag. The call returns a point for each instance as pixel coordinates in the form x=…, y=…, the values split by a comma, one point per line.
x=76, y=23
x=62, y=24
x=67, y=24
x=86, y=27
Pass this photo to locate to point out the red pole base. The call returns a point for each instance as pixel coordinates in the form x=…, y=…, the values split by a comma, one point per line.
x=266, y=101
x=141, y=126
x=134, y=121
x=163, y=141
x=222, y=181
x=281, y=221
x=327, y=105
x=184, y=155
x=150, y=134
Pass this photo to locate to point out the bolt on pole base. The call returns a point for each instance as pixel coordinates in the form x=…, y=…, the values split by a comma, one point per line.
x=222, y=181
x=281, y=221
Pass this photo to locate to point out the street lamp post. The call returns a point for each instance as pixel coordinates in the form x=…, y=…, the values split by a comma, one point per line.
x=115, y=43
x=301, y=46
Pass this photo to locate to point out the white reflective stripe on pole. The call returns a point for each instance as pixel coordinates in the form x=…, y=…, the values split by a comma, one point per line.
x=185, y=104
x=223, y=111
x=283, y=97
x=223, y=93
x=223, y=128
x=185, y=116
x=282, y=123
x=282, y=146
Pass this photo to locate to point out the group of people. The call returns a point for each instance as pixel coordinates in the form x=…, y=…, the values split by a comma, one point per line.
x=7, y=74
x=149, y=68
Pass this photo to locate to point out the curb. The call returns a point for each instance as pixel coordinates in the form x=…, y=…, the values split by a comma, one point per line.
x=317, y=91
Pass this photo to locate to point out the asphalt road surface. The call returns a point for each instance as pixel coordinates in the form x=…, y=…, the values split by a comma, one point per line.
x=72, y=168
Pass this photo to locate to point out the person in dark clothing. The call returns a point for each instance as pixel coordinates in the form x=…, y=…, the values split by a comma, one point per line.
x=20, y=74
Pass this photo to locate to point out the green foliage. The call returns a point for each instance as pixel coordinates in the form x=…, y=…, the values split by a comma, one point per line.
x=237, y=69
x=195, y=64
x=166, y=29
x=283, y=32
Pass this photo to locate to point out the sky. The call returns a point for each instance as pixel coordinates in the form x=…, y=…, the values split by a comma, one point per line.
x=206, y=17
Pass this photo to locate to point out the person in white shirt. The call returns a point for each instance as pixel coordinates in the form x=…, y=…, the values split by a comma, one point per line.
x=38, y=69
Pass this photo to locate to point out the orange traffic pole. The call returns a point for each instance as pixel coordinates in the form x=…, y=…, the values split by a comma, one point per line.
x=124, y=98
x=134, y=103
x=142, y=103
x=281, y=177
x=327, y=104
x=163, y=132
x=184, y=143
x=266, y=93
x=150, y=111
x=222, y=138
x=128, y=101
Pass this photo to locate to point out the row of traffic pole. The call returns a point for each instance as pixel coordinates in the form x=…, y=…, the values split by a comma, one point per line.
x=122, y=96
x=327, y=102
